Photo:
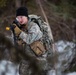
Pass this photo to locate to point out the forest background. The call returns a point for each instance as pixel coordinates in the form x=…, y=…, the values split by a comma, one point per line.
x=61, y=15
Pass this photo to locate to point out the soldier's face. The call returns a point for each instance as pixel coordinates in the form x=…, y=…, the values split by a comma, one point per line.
x=22, y=19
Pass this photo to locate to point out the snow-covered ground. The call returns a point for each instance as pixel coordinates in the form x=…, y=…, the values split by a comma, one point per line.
x=8, y=68
x=73, y=73
x=64, y=48
x=52, y=72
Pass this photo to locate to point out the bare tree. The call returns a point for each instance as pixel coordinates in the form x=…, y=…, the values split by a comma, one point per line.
x=18, y=3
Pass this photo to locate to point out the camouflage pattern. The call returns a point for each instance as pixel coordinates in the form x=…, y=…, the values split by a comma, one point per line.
x=36, y=65
x=34, y=33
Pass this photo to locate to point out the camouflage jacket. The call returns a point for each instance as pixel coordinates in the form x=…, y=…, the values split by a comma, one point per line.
x=33, y=33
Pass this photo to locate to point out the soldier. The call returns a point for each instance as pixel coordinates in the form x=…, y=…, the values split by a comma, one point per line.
x=28, y=34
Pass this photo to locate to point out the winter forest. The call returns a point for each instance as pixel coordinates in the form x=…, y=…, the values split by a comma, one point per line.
x=61, y=18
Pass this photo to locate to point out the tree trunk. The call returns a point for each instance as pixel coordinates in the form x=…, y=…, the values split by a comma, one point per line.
x=18, y=3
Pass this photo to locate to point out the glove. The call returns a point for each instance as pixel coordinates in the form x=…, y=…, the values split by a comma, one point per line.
x=17, y=30
x=16, y=22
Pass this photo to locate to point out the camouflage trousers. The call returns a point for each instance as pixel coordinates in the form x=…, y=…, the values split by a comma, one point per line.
x=38, y=67
x=34, y=65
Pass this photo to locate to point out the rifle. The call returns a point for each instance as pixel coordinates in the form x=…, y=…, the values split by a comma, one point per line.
x=11, y=27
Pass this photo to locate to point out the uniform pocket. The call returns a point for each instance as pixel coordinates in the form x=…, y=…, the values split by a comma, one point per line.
x=38, y=48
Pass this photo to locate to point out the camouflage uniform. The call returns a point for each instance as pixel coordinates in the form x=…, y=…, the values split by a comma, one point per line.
x=28, y=35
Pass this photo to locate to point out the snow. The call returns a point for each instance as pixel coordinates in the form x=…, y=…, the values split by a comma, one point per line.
x=61, y=45
x=53, y=72
x=9, y=68
x=73, y=73
x=12, y=69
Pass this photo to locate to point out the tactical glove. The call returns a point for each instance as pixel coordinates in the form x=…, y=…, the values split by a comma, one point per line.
x=17, y=23
x=17, y=30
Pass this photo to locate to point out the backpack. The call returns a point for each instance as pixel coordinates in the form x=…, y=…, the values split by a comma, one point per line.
x=46, y=38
